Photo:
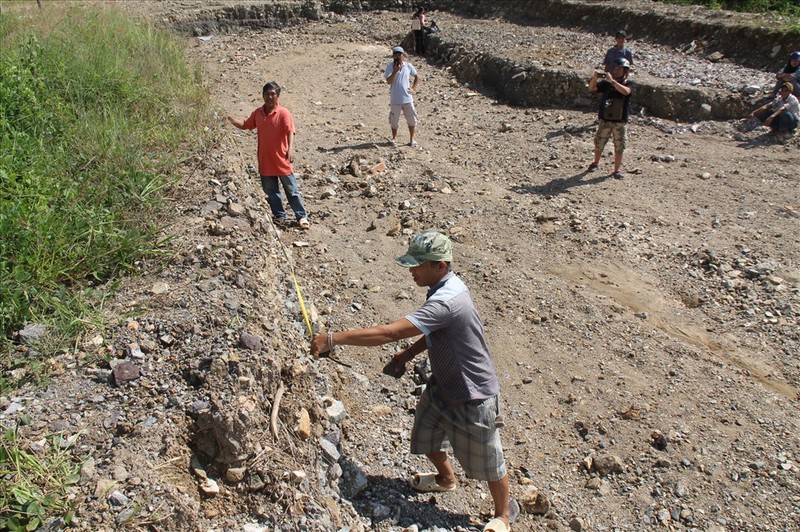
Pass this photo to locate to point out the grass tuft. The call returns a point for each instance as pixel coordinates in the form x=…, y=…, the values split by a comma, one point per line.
x=36, y=485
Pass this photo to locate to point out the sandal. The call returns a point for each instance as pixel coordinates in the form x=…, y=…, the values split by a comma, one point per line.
x=497, y=525
x=426, y=482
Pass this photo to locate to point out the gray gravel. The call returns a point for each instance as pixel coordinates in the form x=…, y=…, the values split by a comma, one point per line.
x=557, y=47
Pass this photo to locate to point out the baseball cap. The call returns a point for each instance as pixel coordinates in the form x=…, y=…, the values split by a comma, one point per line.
x=795, y=56
x=621, y=33
x=398, y=49
x=621, y=61
x=425, y=246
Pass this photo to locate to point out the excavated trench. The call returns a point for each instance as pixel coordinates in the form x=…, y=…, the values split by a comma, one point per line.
x=529, y=84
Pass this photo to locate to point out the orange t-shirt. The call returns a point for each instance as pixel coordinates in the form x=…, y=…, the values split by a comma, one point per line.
x=273, y=130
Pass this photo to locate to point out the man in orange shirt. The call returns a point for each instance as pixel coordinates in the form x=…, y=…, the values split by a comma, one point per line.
x=275, y=129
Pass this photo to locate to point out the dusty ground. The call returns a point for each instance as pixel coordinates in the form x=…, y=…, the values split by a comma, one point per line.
x=618, y=311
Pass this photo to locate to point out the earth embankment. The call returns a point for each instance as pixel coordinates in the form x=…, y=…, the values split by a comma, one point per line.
x=695, y=65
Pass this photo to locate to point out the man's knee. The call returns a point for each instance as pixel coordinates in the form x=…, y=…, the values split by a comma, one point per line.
x=600, y=142
x=619, y=146
x=620, y=139
x=394, y=119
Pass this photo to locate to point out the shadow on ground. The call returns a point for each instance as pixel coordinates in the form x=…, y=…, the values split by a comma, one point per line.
x=560, y=185
x=361, y=146
x=766, y=139
x=386, y=501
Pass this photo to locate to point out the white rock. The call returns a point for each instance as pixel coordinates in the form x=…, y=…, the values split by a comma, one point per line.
x=160, y=288
x=209, y=487
x=335, y=409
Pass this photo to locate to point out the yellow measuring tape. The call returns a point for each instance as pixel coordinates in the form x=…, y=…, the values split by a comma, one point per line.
x=297, y=290
x=294, y=280
x=288, y=260
x=327, y=355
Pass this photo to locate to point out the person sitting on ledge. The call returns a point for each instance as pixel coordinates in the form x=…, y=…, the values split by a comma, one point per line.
x=789, y=74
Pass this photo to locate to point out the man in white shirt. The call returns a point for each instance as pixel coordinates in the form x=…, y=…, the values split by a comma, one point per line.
x=403, y=79
x=782, y=113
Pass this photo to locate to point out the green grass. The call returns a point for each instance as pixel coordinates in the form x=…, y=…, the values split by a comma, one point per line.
x=94, y=112
x=35, y=486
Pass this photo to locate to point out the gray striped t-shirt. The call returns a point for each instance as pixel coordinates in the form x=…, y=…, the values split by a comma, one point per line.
x=460, y=360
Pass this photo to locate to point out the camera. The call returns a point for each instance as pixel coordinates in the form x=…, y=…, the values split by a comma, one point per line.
x=396, y=60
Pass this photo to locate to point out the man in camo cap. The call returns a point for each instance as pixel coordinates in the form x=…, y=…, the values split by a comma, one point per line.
x=460, y=403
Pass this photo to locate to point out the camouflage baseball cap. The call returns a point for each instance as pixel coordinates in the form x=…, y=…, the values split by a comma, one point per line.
x=425, y=246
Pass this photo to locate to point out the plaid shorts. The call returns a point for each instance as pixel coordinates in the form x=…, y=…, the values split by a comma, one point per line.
x=617, y=130
x=470, y=428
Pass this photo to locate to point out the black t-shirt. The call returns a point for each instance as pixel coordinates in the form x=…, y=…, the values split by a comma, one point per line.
x=611, y=110
x=789, y=69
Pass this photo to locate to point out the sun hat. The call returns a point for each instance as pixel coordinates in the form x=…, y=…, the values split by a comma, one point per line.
x=397, y=49
x=427, y=245
x=795, y=55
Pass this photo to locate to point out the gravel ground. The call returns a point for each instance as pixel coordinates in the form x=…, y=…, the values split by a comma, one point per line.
x=553, y=46
x=644, y=331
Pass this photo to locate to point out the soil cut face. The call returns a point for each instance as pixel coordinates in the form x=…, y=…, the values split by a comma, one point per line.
x=645, y=330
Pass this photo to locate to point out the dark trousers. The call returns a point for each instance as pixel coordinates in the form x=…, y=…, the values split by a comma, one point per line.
x=785, y=121
x=271, y=186
x=419, y=42
x=795, y=87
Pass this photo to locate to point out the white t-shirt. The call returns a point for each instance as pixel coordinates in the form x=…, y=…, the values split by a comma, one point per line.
x=401, y=84
x=792, y=105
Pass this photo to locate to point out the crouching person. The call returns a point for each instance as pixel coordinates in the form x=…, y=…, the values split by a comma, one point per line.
x=782, y=113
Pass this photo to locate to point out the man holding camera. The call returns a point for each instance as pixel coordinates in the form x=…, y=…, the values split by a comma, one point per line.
x=398, y=75
x=615, y=89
